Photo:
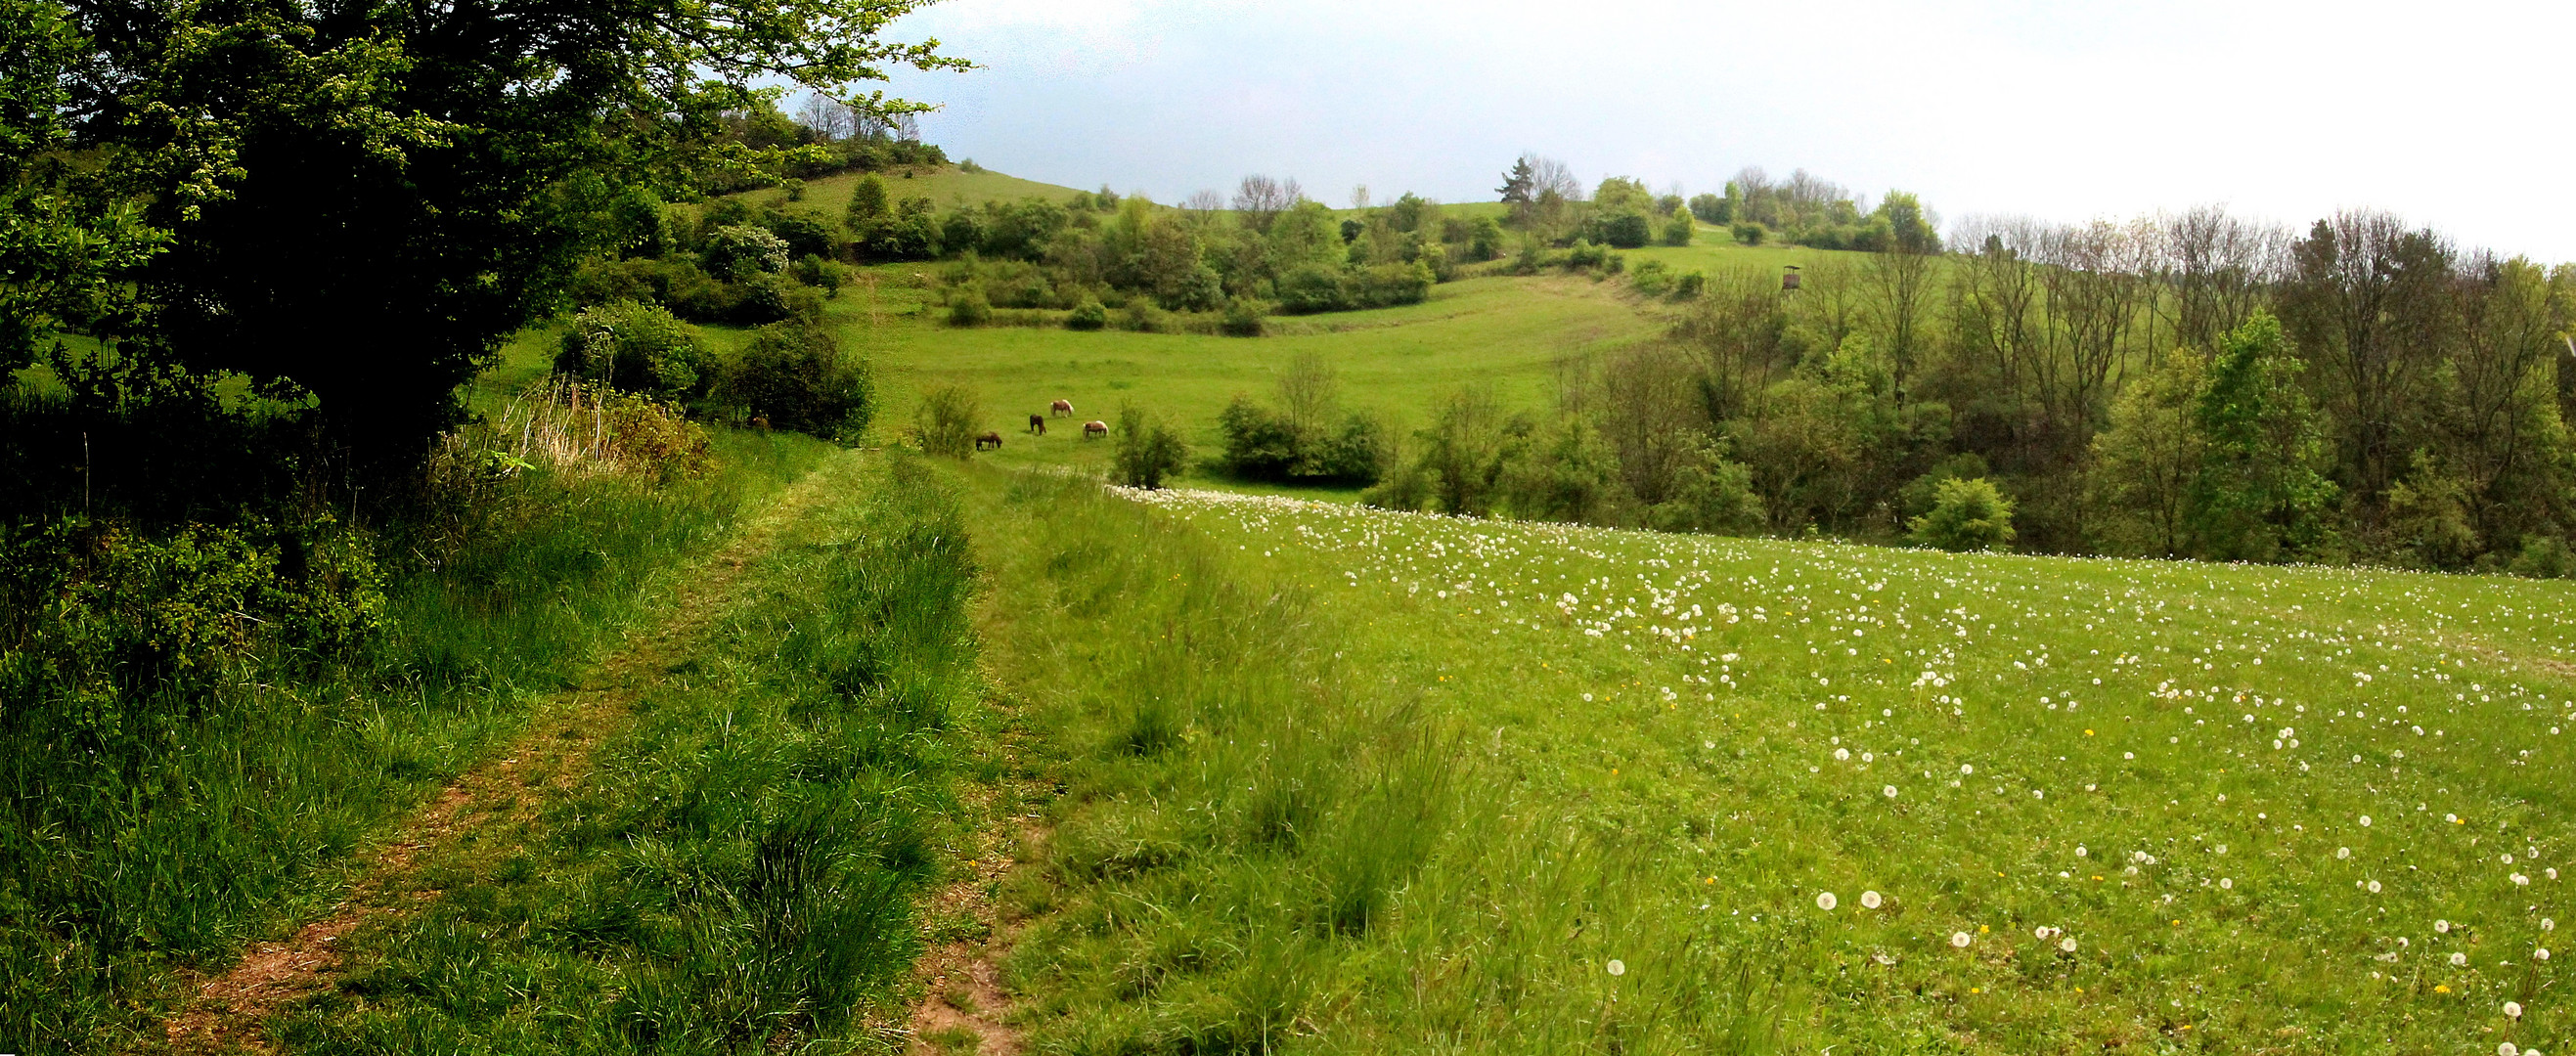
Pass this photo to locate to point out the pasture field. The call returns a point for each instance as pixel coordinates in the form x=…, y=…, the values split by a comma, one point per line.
x=1501, y=332
x=1347, y=780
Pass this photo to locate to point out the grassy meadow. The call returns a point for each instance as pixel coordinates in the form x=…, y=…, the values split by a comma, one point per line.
x=1346, y=780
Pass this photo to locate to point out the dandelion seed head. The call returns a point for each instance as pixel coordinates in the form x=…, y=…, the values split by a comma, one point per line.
x=1825, y=901
x=1871, y=900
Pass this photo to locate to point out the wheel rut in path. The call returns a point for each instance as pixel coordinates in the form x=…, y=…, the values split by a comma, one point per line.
x=227, y=1012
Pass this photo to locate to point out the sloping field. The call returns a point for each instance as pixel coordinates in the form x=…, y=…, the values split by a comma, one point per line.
x=1696, y=793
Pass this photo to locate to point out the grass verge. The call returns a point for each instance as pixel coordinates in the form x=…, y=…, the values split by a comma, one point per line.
x=116, y=881
x=734, y=872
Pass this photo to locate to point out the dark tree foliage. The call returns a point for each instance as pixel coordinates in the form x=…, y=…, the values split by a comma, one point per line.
x=360, y=200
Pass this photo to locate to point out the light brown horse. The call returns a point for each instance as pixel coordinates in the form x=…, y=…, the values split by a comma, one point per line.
x=1063, y=407
x=989, y=440
x=1037, y=424
x=1094, y=428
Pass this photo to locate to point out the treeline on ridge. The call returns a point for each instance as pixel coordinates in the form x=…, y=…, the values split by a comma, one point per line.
x=2193, y=386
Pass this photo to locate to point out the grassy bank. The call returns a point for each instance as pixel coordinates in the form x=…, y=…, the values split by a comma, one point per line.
x=734, y=872
x=233, y=813
x=1626, y=792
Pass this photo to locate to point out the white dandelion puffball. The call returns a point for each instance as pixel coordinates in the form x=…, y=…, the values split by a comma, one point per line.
x=2343, y=852
x=2365, y=821
x=1967, y=769
x=2459, y=960
x=1842, y=755
x=2067, y=945
x=2540, y=954
x=1870, y=900
x=2226, y=883
x=1616, y=967
x=2547, y=924
x=2505, y=1048
x=2374, y=887
x=2080, y=852
x=2513, y=1008
x=2442, y=926
x=1959, y=939
x=2520, y=880
x=2041, y=932
x=1826, y=901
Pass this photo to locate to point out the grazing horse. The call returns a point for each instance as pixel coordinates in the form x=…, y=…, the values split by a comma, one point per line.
x=1037, y=424
x=1063, y=407
x=989, y=440
x=1094, y=428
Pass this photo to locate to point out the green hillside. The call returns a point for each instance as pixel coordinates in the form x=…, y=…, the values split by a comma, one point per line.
x=1521, y=787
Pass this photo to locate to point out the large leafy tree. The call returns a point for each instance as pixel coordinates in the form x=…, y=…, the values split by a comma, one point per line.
x=354, y=200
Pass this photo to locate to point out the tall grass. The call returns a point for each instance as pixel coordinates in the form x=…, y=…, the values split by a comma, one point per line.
x=737, y=872
x=1274, y=838
x=275, y=767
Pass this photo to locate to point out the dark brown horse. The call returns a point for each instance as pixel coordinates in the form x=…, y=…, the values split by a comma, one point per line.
x=992, y=441
x=1094, y=428
x=1037, y=424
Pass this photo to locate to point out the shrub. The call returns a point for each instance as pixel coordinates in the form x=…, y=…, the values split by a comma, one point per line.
x=1967, y=514
x=771, y=298
x=741, y=251
x=1584, y=254
x=806, y=234
x=795, y=376
x=1243, y=317
x=868, y=202
x=1485, y=240
x=827, y=276
x=1149, y=449
x=1749, y=233
x=947, y=420
x=1089, y=315
x=1690, y=285
x=1260, y=444
x=1409, y=490
x=1626, y=230
x=1652, y=278
x=1141, y=316
x=635, y=347
x=967, y=306
x=2544, y=557
x=1678, y=228
x=1711, y=494
x=1358, y=454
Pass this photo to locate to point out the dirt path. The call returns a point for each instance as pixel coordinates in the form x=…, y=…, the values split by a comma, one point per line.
x=228, y=1010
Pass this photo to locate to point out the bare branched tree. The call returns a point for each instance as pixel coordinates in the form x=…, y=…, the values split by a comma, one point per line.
x=1259, y=200
x=1203, y=205
x=2217, y=269
x=2365, y=305
x=1309, y=392
x=830, y=119
x=1651, y=415
x=1549, y=174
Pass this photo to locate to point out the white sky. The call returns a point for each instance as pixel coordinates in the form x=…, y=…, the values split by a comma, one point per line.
x=2452, y=115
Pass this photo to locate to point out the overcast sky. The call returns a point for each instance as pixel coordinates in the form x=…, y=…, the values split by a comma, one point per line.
x=2451, y=115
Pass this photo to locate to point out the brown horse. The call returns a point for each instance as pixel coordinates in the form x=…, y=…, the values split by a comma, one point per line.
x=1094, y=428
x=1063, y=407
x=989, y=440
x=1037, y=424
